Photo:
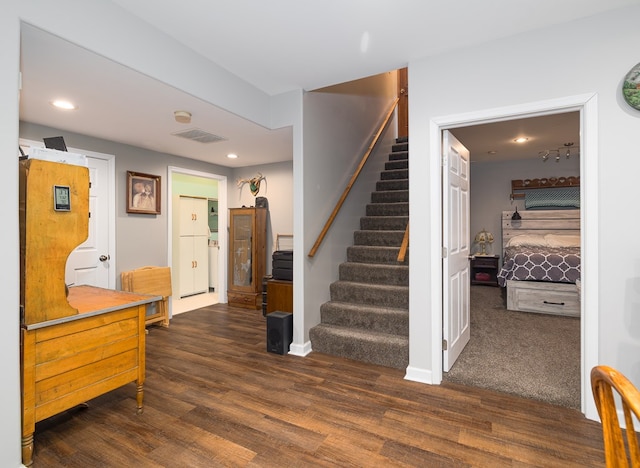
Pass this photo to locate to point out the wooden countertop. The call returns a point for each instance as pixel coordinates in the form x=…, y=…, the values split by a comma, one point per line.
x=91, y=301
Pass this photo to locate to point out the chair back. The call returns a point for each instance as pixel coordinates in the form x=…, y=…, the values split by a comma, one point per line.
x=604, y=380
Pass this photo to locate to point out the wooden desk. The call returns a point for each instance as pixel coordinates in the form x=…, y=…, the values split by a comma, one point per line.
x=70, y=360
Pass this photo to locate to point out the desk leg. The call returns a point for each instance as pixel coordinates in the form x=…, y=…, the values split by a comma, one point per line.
x=140, y=397
x=27, y=450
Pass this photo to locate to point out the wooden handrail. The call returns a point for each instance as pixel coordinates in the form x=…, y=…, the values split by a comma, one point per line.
x=405, y=245
x=355, y=175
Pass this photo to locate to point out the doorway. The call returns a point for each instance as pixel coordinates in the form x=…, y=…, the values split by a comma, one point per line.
x=586, y=105
x=186, y=182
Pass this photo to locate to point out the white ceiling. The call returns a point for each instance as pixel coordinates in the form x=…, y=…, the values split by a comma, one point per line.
x=276, y=45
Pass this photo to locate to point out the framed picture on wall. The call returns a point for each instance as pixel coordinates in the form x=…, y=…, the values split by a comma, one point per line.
x=143, y=193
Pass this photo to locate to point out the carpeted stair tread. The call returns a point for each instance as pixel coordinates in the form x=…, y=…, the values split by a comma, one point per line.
x=382, y=319
x=396, y=164
x=383, y=295
x=394, y=174
x=388, y=209
x=397, y=275
x=378, y=238
x=366, y=346
x=390, y=196
x=393, y=184
x=384, y=223
x=373, y=254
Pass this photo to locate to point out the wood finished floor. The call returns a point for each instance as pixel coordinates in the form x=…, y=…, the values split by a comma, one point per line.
x=215, y=397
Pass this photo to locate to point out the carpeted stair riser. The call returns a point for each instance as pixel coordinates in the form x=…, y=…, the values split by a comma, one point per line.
x=375, y=348
x=378, y=238
x=399, y=156
x=388, y=209
x=374, y=254
x=383, y=185
x=396, y=165
x=383, y=223
x=400, y=147
x=397, y=275
x=367, y=318
x=380, y=295
x=379, y=319
x=395, y=174
x=390, y=196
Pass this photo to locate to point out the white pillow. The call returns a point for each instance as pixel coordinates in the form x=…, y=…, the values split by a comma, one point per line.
x=533, y=240
x=563, y=240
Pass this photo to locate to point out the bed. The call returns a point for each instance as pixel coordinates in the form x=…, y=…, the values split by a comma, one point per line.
x=541, y=263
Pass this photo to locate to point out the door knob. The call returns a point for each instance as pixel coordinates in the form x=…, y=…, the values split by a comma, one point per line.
x=104, y=258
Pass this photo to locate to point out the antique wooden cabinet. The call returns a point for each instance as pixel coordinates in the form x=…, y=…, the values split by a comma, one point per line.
x=78, y=346
x=247, y=256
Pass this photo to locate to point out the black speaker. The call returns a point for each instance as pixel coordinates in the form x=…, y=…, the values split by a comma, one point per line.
x=279, y=332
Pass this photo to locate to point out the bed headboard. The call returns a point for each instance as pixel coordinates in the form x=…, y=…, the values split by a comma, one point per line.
x=540, y=222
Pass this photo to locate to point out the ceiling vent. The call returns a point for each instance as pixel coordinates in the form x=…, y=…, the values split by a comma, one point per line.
x=200, y=136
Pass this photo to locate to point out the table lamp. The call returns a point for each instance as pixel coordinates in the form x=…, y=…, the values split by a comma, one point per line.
x=484, y=237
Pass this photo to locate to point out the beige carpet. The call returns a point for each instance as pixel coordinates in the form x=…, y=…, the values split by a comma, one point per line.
x=536, y=356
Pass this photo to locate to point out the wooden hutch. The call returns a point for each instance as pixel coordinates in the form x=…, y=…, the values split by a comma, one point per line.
x=76, y=347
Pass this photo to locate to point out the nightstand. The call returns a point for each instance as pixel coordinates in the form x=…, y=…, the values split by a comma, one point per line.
x=484, y=269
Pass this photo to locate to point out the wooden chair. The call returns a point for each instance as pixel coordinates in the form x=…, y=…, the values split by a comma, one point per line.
x=603, y=380
x=151, y=280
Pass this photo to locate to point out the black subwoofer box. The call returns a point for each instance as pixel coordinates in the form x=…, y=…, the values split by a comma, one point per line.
x=279, y=332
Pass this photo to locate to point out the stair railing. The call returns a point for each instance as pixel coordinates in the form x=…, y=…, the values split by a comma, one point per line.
x=404, y=246
x=354, y=177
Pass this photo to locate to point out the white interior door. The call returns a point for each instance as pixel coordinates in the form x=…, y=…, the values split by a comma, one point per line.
x=456, y=281
x=91, y=261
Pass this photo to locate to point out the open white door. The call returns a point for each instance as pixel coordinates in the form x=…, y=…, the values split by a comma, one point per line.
x=456, y=281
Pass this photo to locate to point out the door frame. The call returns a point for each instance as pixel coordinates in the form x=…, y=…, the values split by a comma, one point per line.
x=222, y=222
x=587, y=105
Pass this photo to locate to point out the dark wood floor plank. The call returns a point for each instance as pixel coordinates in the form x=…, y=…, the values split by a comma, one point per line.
x=215, y=397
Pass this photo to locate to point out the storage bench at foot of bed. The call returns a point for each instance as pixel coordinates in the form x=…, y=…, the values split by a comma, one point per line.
x=543, y=297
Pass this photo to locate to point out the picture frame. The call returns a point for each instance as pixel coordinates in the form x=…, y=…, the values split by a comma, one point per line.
x=143, y=193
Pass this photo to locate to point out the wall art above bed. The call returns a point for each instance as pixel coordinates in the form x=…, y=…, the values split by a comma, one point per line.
x=547, y=192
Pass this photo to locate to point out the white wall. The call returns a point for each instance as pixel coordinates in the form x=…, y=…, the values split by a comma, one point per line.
x=589, y=56
x=339, y=123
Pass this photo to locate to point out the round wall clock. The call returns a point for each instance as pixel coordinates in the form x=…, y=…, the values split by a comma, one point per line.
x=631, y=87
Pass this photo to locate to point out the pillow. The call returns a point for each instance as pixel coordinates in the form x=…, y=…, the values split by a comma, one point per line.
x=563, y=240
x=533, y=240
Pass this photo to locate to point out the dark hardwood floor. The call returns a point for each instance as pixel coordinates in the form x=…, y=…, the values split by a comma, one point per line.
x=215, y=397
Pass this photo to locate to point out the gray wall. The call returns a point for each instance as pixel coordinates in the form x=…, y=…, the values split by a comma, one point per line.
x=588, y=59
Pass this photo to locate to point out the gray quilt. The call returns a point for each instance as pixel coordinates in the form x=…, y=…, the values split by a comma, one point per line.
x=560, y=265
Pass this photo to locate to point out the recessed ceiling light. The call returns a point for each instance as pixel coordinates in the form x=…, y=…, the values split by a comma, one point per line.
x=492, y=152
x=62, y=104
x=232, y=156
x=521, y=140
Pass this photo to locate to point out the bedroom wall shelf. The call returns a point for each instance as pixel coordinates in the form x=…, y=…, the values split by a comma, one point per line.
x=519, y=186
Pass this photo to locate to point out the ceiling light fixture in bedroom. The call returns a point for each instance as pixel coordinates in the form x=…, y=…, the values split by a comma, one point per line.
x=564, y=149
